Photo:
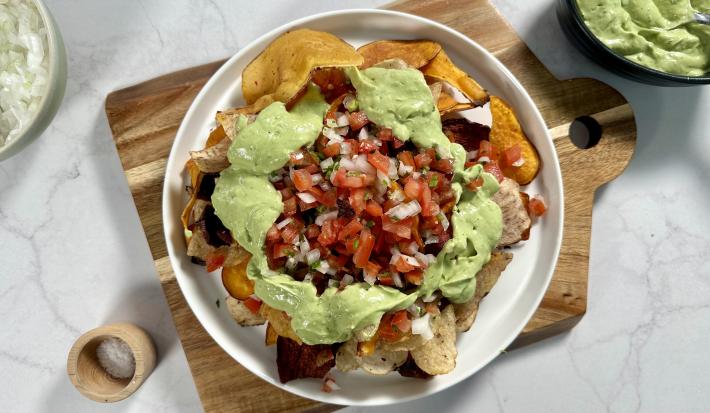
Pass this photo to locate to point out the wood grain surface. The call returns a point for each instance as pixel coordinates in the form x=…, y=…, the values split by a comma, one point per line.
x=145, y=117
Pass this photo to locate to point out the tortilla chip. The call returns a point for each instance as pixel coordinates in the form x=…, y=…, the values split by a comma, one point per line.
x=410, y=369
x=284, y=67
x=212, y=159
x=442, y=68
x=516, y=221
x=379, y=363
x=216, y=136
x=485, y=280
x=228, y=119
x=297, y=361
x=393, y=64
x=466, y=133
x=507, y=132
x=438, y=355
x=271, y=336
x=242, y=314
x=280, y=322
x=406, y=343
x=416, y=53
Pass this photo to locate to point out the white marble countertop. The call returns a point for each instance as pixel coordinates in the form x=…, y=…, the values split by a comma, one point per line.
x=74, y=255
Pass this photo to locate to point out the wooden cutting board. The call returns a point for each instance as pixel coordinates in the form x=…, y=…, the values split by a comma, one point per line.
x=144, y=119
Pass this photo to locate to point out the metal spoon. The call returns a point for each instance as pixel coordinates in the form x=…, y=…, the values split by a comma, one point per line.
x=702, y=18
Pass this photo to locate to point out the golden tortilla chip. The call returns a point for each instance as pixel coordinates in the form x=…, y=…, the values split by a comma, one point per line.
x=280, y=322
x=485, y=280
x=228, y=119
x=242, y=314
x=271, y=335
x=442, y=68
x=284, y=67
x=516, y=221
x=407, y=343
x=379, y=362
x=438, y=355
x=416, y=53
x=507, y=132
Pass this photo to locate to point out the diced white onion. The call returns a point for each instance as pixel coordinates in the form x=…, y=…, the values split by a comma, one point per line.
x=405, y=169
x=297, y=155
x=291, y=263
x=347, y=279
x=283, y=223
x=342, y=130
x=320, y=219
x=432, y=239
x=421, y=327
x=484, y=159
x=520, y=162
x=332, y=135
x=425, y=260
x=471, y=155
x=392, y=171
x=416, y=175
x=305, y=246
x=341, y=119
x=369, y=278
x=397, y=280
x=316, y=179
x=348, y=164
x=306, y=197
x=411, y=260
x=307, y=278
x=325, y=185
x=430, y=298
x=363, y=134
x=345, y=149
x=362, y=165
x=324, y=268
x=326, y=163
x=397, y=195
x=403, y=211
x=312, y=256
x=395, y=257
x=411, y=248
x=443, y=220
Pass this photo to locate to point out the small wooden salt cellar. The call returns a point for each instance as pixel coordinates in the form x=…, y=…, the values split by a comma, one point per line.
x=90, y=378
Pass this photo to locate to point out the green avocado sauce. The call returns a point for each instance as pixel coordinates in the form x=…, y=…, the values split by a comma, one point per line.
x=248, y=205
x=643, y=32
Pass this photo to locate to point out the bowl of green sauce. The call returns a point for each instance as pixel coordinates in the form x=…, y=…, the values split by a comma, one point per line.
x=643, y=40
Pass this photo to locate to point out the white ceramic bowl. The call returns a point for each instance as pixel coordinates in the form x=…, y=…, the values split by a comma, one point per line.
x=503, y=313
x=55, y=87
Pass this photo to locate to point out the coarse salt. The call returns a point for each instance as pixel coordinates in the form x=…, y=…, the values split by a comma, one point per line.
x=116, y=357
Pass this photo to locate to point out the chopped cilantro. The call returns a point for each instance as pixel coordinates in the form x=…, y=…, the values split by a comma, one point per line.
x=354, y=173
x=370, y=223
x=321, y=209
x=425, y=170
x=368, y=196
x=433, y=181
x=356, y=243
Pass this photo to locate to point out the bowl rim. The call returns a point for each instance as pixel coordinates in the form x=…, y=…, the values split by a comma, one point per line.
x=54, y=43
x=627, y=63
x=199, y=312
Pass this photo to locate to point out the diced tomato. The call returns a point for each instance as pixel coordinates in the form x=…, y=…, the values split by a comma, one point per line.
x=422, y=160
x=312, y=231
x=412, y=189
x=385, y=134
x=286, y=193
x=331, y=81
x=364, y=249
x=396, y=143
x=328, y=233
x=367, y=146
x=302, y=179
x=401, y=321
x=536, y=207
x=493, y=169
x=283, y=250
x=372, y=268
x=386, y=331
x=475, y=184
x=352, y=228
x=414, y=277
x=357, y=120
x=379, y=161
x=252, y=304
x=331, y=150
x=303, y=206
x=428, y=208
x=289, y=233
x=403, y=266
x=214, y=261
x=339, y=177
x=273, y=234
x=373, y=208
x=329, y=197
x=443, y=165
x=406, y=158
x=338, y=261
x=488, y=150
x=415, y=232
x=290, y=207
x=385, y=279
x=402, y=228
x=357, y=199
x=511, y=156
x=354, y=179
x=301, y=158
x=311, y=169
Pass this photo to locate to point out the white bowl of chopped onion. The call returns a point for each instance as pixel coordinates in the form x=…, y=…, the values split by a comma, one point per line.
x=33, y=73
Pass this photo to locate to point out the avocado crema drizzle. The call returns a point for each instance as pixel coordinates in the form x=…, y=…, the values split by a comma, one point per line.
x=248, y=204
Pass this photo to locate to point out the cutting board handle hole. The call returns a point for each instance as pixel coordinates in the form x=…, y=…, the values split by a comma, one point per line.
x=585, y=132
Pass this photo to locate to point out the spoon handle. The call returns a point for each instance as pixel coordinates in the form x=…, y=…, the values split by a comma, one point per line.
x=702, y=18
